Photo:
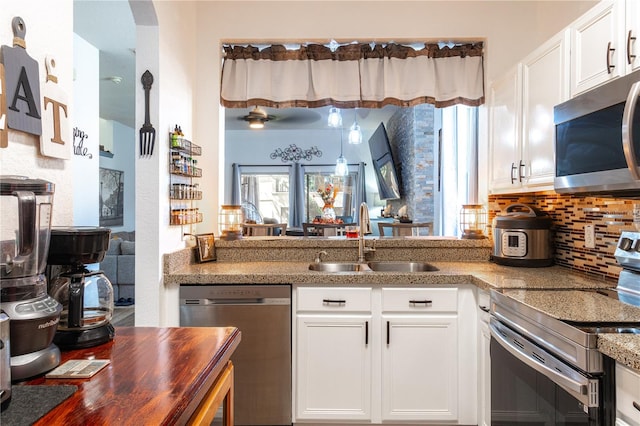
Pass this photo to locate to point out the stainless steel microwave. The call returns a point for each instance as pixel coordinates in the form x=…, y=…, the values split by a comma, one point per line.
x=598, y=140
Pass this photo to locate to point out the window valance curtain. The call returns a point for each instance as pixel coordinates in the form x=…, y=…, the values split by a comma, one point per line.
x=353, y=75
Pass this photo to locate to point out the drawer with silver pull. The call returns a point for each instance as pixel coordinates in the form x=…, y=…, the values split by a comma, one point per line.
x=420, y=299
x=334, y=299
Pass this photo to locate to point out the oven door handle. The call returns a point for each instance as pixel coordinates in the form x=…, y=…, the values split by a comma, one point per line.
x=627, y=129
x=566, y=382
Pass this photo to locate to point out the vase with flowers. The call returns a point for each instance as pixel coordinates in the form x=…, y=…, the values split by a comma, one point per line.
x=328, y=194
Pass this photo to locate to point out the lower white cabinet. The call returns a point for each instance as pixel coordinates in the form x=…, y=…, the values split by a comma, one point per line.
x=384, y=355
x=484, y=360
x=627, y=396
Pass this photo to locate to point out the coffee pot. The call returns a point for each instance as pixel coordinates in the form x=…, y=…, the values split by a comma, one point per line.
x=86, y=294
x=25, y=212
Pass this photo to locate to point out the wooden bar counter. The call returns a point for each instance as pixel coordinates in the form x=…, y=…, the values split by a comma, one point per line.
x=157, y=376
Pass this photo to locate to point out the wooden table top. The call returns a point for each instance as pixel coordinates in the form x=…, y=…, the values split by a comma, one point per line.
x=156, y=376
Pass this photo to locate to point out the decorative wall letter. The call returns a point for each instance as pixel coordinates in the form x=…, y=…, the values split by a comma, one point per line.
x=22, y=83
x=54, y=141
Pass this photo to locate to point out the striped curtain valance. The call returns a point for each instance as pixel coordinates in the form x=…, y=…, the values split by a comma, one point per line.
x=353, y=75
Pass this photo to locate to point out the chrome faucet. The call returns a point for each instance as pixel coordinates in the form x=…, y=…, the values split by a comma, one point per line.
x=362, y=246
x=319, y=256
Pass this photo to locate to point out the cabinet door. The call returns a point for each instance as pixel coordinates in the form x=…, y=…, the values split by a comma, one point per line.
x=545, y=84
x=632, y=35
x=333, y=368
x=627, y=396
x=419, y=368
x=504, y=127
x=597, y=46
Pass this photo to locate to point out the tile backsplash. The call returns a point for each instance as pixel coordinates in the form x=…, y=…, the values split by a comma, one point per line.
x=570, y=214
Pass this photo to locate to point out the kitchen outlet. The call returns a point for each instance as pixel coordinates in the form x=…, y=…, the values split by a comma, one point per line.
x=589, y=236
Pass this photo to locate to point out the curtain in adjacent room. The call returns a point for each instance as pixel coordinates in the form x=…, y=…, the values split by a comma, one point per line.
x=352, y=75
x=296, y=196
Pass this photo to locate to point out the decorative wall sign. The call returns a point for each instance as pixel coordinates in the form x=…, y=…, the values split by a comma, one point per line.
x=111, y=197
x=294, y=154
x=22, y=83
x=4, y=132
x=55, y=118
x=78, y=143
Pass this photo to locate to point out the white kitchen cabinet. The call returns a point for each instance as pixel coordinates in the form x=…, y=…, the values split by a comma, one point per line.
x=632, y=35
x=333, y=371
x=604, y=44
x=505, y=112
x=522, y=131
x=344, y=370
x=419, y=354
x=627, y=396
x=484, y=360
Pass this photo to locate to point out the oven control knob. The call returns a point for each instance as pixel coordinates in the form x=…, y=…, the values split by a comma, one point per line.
x=625, y=243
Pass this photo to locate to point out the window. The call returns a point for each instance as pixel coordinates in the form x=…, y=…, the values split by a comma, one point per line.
x=344, y=199
x=265, y=197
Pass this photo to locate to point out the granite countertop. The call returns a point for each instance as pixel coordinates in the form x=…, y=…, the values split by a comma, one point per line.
x=624, y=348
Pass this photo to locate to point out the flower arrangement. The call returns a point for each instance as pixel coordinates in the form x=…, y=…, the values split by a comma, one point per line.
x=328, y=194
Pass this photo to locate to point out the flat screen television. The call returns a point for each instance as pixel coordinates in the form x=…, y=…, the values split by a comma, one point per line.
x=383, y=164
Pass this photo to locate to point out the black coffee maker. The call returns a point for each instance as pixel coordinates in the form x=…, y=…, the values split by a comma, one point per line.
x=86, y=294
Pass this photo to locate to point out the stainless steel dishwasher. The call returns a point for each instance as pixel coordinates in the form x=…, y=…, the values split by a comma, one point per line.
x=263, y=359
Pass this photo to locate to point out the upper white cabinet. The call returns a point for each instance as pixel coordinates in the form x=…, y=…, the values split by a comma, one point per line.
x=522, y=131
x=604, y=44
x=632, y=35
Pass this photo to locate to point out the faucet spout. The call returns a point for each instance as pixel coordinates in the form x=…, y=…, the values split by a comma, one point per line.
x=364, y=228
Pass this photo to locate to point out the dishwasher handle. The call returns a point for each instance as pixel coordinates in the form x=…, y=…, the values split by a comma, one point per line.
x=238, y=301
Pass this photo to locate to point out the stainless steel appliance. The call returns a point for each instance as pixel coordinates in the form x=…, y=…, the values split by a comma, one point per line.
x=25, y=212
x=263, y=359
x=86, y=295
x=598, y=140
x=545, y=365
x=522, y=237
x=5, y=361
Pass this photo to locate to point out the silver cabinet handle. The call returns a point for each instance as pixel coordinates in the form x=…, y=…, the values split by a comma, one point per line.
x=630, y=40
x=424, y=302
x=610, y=51
x=513, y=169
x=521, y=171
x=627, y=129
x=339, y=302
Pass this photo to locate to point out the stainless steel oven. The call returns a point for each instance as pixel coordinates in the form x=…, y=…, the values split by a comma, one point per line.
x=540, y=376
x=546, y=368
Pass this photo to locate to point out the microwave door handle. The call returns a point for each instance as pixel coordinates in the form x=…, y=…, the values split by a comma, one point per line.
x=627, y=129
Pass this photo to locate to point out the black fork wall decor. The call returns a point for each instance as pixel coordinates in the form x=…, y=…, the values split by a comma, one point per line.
x=147, y=132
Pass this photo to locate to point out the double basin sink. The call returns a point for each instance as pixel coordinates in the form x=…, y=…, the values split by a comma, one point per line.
x=372, y=267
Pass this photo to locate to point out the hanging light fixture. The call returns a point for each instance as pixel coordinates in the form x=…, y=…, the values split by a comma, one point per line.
x=355, y=134
x=335, y=118
x=342, y=168
x=257, y=117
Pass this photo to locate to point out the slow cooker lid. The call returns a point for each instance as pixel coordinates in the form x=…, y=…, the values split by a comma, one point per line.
x=530, y=218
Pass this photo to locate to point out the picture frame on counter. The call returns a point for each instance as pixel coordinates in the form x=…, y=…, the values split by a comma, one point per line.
x=206, y=250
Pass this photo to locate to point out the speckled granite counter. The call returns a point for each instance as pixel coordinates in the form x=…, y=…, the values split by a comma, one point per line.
x=290, y=265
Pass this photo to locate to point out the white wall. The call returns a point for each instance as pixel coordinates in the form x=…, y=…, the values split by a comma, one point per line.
x=49, y=31
x=86, y=99
x=511, y=29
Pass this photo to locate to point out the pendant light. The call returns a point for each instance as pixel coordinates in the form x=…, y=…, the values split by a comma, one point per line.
x=355, y=134
x=342, y=168
x=335, y=118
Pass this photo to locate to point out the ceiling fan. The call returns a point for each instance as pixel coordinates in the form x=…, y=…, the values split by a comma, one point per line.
x=258, y=116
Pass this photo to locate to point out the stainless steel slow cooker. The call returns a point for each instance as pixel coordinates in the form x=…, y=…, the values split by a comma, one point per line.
x=522, y=237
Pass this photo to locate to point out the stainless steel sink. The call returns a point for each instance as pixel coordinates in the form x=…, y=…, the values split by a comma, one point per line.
x=373, y=267
x=401, y=267
x=339, y=267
